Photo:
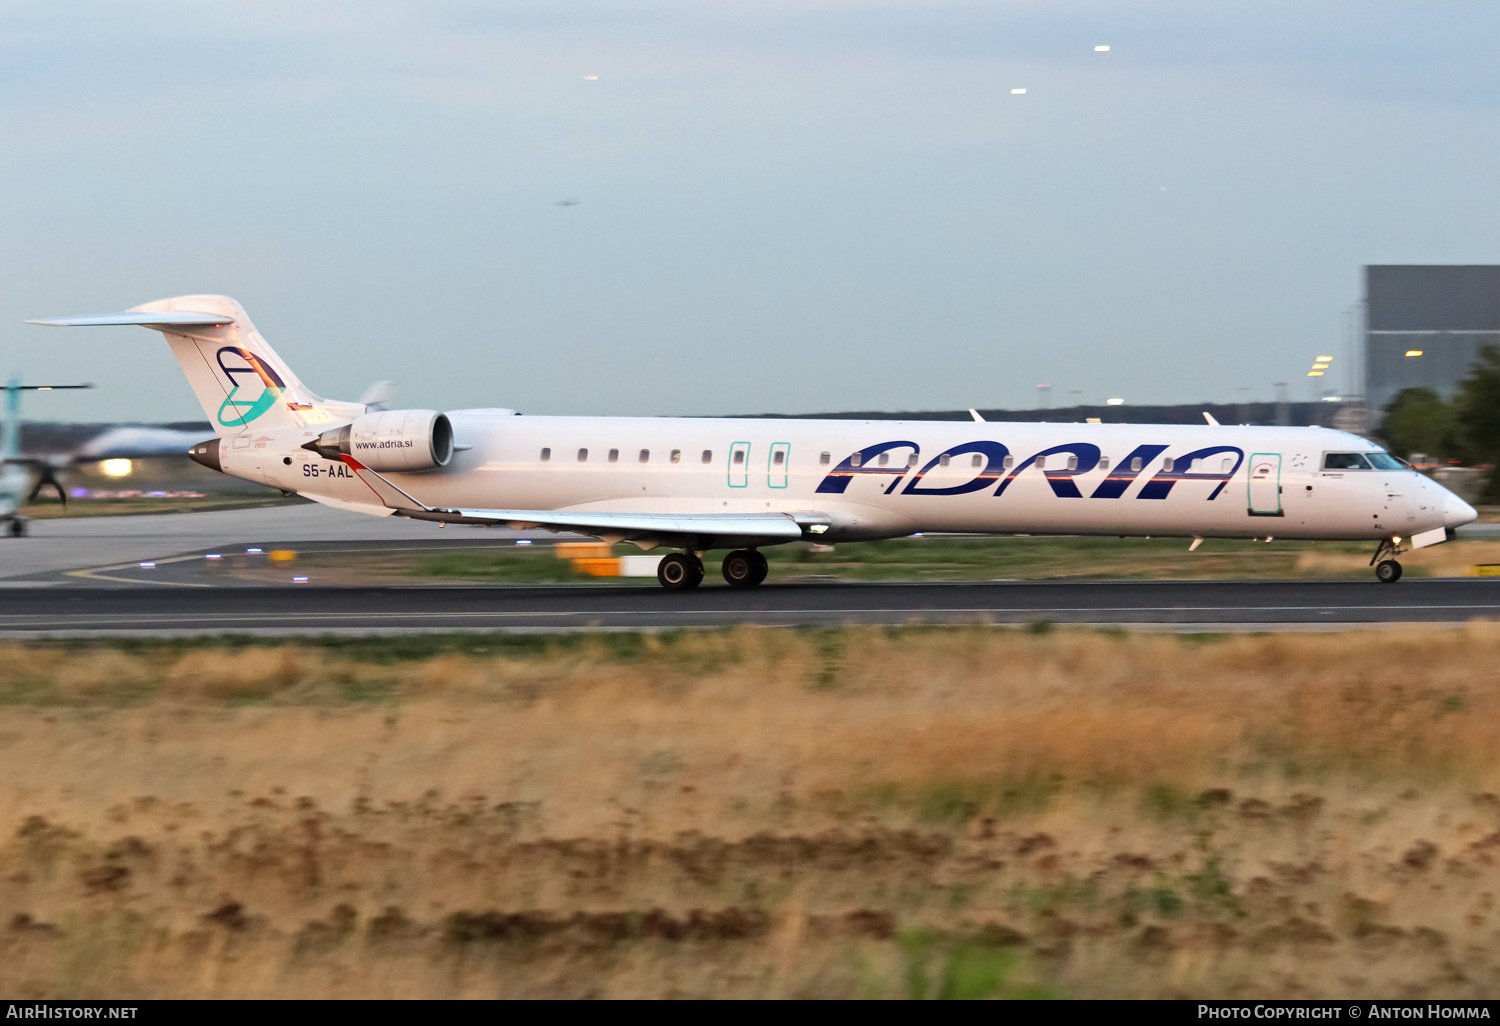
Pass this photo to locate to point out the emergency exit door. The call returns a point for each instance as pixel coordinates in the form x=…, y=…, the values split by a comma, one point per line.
x=739, y=465
x=1265, y=484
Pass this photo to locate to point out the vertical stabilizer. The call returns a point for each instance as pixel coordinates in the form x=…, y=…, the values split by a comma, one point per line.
x=239, y=380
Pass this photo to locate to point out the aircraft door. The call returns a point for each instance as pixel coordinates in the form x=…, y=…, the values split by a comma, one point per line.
x=739, y=465
x=781, y=455
x=1265, y=484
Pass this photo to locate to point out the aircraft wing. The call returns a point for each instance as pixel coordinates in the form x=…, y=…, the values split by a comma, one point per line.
x=647, y=528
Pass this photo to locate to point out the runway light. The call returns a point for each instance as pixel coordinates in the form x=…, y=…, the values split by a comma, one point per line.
x=523, y=541
x=1114, y=402
x=1315, y=374
x=1018, y=92
x=213, y=555
x=115, y=468
x=252, y=550
x=148, y=564
x=591, y=78
x=1325, y=359
x=1414, y=352
x=1101, y=49
x=299, y=579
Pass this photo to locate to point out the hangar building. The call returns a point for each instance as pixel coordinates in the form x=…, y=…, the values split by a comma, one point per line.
x=1425, y=324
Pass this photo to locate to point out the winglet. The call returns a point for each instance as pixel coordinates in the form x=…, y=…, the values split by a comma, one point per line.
x=975, y=414
x=1210, y=418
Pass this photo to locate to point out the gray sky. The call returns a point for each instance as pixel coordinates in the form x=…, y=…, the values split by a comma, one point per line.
x=783, y=206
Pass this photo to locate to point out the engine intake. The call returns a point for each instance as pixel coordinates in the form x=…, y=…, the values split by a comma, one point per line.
x=391, y=440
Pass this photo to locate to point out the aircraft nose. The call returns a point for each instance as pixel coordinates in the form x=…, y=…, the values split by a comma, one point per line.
x=1458, y=512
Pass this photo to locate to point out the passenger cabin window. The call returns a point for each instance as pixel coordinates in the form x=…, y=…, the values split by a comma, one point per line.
x=943, y=460
x=1345, y=461
x=856, y=460
x=1135, y=465
x=779, y=457
x=1103, y=462
x=546, y=455
x=911, y=461
x=614, y=455
x=825, y=459
x=645, y=455
x=676, y=455
x=1005, y=464
x=1072, y=462
x=885, y=458
x=583, y=455
x=708, y=455
x=1041, y=463
x=1226, y=463
x=739, y=456
x=1168, y=463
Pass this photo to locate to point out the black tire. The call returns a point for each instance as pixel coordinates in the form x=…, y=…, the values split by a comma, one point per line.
x=1388, y=571
x=745, y=568
x=679, y=572
x=18, y=528
x=761, y=566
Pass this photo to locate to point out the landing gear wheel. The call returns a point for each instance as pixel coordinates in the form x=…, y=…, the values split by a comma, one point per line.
x=18, y=528
x=1388, y=571
x=680, y=572
x=745, y=568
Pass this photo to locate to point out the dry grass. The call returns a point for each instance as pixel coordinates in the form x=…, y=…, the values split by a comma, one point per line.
x=758, y=813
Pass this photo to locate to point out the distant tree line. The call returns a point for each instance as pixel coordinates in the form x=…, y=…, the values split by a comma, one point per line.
x=1465, y=428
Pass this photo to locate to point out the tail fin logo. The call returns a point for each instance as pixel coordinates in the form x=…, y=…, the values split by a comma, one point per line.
x=241, y=365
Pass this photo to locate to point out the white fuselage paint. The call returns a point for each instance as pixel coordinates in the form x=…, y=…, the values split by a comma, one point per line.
x=499, y=466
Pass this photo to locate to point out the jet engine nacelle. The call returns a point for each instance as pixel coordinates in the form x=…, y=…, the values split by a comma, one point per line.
x=391, y=440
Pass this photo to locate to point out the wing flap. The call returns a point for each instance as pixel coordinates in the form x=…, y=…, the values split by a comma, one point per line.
x=655, y=528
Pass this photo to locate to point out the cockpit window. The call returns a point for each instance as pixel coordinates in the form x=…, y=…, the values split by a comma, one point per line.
x=1345, y=461
x=1385, y=461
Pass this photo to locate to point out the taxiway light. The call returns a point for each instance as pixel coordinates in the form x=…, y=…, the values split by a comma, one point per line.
x=1101, y=49
x=212, y=555
x=1018, y=92
x=295, y=579
x=148, y=564
x=252, y=550
x=1114, y=402
x=116, y=468
x=1320, y=366
x=591, y=78
x=1414, y=352
x=523, y=541
x=1315, y=374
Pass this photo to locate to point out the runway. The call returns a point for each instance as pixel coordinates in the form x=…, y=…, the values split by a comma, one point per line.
x=1177, y=605
x=84, y=577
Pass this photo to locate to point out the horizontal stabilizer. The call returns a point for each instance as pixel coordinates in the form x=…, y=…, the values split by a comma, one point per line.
x=183, y=318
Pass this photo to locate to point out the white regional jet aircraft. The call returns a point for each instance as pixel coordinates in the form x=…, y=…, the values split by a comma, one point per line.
x=740, y=484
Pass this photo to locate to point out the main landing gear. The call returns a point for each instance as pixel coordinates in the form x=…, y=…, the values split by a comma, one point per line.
x=745, y=568
x=680, y=571
x=1387, y=570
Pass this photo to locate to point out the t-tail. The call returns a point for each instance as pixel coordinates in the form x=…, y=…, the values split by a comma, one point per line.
x=240, y=382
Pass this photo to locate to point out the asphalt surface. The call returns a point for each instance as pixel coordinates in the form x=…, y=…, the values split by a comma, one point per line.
x=149, y=575
x=1179, y=605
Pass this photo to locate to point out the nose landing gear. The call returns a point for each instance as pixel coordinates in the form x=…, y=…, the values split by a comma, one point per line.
x=745, y=568
x=1387, y=570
